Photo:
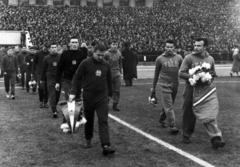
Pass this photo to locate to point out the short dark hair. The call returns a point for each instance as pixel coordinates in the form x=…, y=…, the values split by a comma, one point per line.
x=205, y=41
x=126, y=44
x=73, y=37
x=170, y=41
x=45, y=45
x=101, y=47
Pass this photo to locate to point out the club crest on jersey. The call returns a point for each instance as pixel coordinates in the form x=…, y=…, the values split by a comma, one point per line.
x=98, y=73
x=74, y=62
x=55, y=64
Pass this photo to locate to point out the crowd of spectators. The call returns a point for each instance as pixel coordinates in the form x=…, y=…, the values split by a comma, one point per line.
x=146, y=28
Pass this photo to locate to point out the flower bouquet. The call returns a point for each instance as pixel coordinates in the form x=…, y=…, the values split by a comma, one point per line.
x=201, y=74
x=205, y=101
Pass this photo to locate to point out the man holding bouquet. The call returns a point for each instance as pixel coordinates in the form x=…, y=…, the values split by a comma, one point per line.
x=200, y=98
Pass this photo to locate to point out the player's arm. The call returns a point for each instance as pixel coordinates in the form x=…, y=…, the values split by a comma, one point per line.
x=158, y=67
x=109, y=81
x=183, y=71
x=34, y=64
x=60, y=68
x=44, y=69
x=120, y=62
x=77, y=81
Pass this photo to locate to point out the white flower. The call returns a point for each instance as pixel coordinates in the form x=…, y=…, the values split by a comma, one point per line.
x=201, y=74
x=206, y=65
x=65, y=128
x=192, y=81
x=206, y=77
x=196, y=77
x=30, y=83
x=235, y=51
x=191, y=71
x=198, y=68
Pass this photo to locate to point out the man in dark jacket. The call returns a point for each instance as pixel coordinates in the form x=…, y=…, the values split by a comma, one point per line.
x=49, y=71
x=9, y=68
x=29, y=62
x=94, y=76
x=3, y=52
x=84, y=48
x=128, y=64
x=22, y=65
x=135, y=63
x=16, y=52
x=37, y=69
x=67, y=66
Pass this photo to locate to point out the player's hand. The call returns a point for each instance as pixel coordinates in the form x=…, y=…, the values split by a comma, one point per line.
x=71, y=97
x=57, y=87
x=152, y=90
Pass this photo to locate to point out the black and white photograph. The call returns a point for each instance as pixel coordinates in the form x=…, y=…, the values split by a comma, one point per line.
x=119, y=83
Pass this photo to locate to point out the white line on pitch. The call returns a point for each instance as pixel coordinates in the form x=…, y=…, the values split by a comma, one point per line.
x=15, y=87
x=167, y=145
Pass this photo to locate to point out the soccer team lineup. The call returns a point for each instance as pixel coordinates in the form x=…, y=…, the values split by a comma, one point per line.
x=100, y=98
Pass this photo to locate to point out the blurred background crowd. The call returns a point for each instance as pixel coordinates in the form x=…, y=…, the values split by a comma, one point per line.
x=146, y=28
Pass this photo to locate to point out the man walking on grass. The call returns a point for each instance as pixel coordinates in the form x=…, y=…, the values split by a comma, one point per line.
x=167, y=65
x=49, y=71
x=9, y=68
x=206, y=109
x=114, y=57
x=67, y=66
x=29, y=63
x=37, y=70
x=94, y=76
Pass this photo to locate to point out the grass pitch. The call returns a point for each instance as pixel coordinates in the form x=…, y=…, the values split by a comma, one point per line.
x=31, y=137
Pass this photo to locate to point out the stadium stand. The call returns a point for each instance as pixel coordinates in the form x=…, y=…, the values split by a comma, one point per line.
x=146, y=28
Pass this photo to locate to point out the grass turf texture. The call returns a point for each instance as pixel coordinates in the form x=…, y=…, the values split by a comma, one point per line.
x=31, y=137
